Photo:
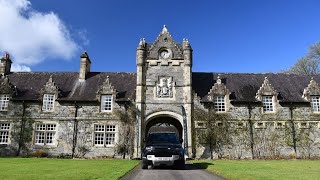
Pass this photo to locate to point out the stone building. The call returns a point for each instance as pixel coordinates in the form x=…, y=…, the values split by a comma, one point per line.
x=76, y=113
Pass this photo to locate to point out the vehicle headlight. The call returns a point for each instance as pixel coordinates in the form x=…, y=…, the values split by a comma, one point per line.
x=149, y=148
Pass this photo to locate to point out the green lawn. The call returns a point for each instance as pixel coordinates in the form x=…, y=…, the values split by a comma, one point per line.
x=43, y=168
x=263, y=169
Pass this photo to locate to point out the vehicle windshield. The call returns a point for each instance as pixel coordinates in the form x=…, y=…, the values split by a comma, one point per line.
x=163, y=138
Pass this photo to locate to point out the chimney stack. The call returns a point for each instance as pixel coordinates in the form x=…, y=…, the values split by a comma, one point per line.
x=5, y=66
x=84, y=66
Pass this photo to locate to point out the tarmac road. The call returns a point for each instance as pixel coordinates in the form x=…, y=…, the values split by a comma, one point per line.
x=164, y=173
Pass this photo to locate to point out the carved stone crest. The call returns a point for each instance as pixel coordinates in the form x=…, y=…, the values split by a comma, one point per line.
x=49, y=88
x=266, y=90
x=313, y=89
x=165, y=88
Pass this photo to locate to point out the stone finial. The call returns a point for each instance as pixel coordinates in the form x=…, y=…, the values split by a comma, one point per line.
x=164, y=29
x=218, y=88
x=218, y=79
x=49, y=88
x=106, y=88
x=142, y=42
x=266, y=89
x=186, y=42
x=311, y=90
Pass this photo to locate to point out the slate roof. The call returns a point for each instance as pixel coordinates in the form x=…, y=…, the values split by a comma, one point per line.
x=29, y=84
x=242, y=86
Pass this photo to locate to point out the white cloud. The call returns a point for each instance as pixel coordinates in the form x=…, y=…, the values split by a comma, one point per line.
x=20, y=68
x=31, y=37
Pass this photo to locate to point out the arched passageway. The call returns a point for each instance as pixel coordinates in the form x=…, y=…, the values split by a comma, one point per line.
x=164, y=123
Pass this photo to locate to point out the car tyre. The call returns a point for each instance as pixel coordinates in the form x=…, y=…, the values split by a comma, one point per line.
x=180, y=164
x=144, y=166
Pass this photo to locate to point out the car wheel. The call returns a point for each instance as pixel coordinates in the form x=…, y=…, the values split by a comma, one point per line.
x=144, y=165
x=180, y=164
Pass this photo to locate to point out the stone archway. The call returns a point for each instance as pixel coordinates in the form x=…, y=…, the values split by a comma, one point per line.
x=164, y=121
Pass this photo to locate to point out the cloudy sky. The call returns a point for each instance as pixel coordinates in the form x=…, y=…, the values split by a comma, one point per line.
x=226, y=35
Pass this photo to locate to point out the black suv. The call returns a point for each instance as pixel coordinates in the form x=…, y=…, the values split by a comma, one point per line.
x=163, y=148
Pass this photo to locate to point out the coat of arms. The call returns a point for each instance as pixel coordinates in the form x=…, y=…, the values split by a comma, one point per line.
x=164, y=88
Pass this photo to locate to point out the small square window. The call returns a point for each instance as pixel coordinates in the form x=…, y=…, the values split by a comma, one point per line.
x=260, y=125
x=219, y=104
x=267, y=103
x=106, y=103
x=303, y=125
x=4, y=102
x=280, y=125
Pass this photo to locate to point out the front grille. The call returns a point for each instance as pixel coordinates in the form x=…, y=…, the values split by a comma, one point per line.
x=163, y=152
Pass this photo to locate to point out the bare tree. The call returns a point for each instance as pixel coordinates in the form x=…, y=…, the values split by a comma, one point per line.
x=309, y=64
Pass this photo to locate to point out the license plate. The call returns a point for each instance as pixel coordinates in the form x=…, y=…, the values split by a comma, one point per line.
x=163, y=158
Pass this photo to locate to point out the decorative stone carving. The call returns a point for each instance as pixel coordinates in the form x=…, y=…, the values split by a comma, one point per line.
x=164, y=40
x=50, y=88
x=165, y=88
x=218, y=89
x=266, y=90
x=313, y=89
x=6, y=87
x=106, y=88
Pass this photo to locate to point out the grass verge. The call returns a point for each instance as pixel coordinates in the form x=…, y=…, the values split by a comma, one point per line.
x=262, y=169
x=43, y=168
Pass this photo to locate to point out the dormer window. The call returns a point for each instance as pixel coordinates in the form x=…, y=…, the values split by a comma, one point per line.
x=267, y=103
x=315, y=103
x=219, y=104
x=48, y=102
x=4, y=102
x=106, y=103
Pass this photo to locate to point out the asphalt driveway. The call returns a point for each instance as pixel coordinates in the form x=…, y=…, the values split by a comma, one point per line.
x=163, y=173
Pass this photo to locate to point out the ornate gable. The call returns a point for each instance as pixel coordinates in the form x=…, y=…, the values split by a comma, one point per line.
x=164, y=41
x=6, y=87
x=106, y=88
x=50, y=88
x=312, y=89
x=218, y=89
x=266, y=90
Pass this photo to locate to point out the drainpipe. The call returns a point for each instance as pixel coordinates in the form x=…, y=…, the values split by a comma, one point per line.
x=294, y=138
x=22, y=127
x=75, y=129
x=251, y=130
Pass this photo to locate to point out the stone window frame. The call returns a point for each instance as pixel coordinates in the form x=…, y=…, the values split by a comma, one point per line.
x=105, y=132
x=4, y=102
x=243, y=124
x=52, y=90
x=312, y=90
x=45, y=128
x=48, y=102
x=267, y=104
x=219, y=89
x=200, y=124
x=279, y=125
x=5, y=132
x=104, y=103
x=219, y=103
x=315, y=105
x=265, y=90
x=260, y=125
x=303, y=125
x=106, y=89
